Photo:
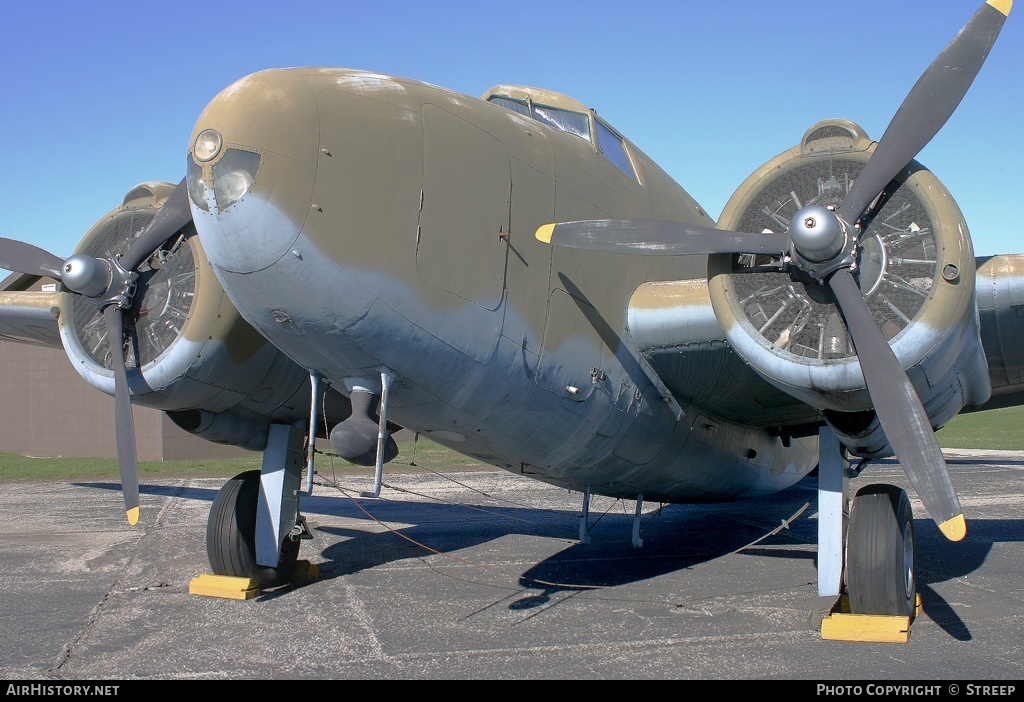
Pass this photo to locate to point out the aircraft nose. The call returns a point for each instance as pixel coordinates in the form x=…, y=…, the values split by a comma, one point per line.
x=251, y=168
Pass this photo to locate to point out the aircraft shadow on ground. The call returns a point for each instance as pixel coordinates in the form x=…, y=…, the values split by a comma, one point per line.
x=189, y=493
x=939, y=560
x=980, y=461
x=675, y=538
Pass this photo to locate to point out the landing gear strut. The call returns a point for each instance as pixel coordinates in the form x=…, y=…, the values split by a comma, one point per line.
x=255, y=526
x=865, y=545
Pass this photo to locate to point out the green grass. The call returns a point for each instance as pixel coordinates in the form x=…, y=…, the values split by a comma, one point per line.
x=1001, y=429
x=991, y=429
x=414, y=455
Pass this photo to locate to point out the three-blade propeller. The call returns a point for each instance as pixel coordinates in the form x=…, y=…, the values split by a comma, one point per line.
x=111, y=284
x=824, y=243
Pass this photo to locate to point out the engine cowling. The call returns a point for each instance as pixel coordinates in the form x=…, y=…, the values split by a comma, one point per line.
x=189, y=351
x=916, y=270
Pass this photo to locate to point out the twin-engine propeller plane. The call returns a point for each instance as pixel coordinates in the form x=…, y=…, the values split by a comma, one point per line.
x=349, y=253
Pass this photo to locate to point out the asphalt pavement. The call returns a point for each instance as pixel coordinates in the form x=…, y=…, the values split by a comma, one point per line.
x=481, y=575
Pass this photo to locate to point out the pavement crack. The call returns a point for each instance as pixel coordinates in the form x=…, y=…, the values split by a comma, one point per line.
x=118, y=583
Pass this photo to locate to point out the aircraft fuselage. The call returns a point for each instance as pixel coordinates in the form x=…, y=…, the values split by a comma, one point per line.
x=363, y=222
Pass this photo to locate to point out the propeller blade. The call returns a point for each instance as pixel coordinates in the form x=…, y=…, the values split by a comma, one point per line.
x=899, y=410
x=84, y=275
x=655, y=237
x=25, y=258
x=124, y=420
x=174, y=214
x=928, y=105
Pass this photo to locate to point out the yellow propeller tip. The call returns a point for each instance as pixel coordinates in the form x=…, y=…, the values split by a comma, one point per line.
x=544, y=233
x=133, y=516
x=1002, y=5
x=954, y=529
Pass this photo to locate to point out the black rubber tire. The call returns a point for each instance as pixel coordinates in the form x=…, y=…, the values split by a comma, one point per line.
x=231, y=534
x=880, y=553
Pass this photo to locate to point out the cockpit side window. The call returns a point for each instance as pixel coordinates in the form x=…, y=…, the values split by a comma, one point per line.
x=573, y=122
x=509, y=104
x=576, y=123
x=610, y=144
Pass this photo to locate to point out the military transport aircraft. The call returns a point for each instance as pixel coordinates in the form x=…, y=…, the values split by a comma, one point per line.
x=348, y=253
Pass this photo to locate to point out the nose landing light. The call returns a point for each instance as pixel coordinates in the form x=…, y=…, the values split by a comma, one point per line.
x=208, y=145
x=218, y=178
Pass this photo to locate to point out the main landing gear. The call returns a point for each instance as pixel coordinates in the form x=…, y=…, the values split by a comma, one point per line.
x=865, y=553
x=231, y=535
x=255, y=528
x=880, y=553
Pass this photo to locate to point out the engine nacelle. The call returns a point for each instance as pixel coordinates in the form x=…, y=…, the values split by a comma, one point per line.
x=916, y=271
x=190, y=353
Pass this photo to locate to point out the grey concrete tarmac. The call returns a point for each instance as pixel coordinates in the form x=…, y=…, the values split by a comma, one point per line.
x=480, y=575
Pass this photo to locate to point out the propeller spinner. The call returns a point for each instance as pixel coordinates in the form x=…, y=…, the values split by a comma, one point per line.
x=110, y=283
x=823, y=242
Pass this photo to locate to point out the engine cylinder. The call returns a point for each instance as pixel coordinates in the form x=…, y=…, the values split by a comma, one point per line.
x=187, y=348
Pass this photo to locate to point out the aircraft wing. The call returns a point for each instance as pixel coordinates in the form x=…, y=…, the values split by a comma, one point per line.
x=29, y=316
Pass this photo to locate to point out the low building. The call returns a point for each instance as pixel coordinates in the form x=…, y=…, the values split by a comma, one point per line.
x=47, y=409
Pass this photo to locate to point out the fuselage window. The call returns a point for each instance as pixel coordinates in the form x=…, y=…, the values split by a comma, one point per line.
x=614, y=150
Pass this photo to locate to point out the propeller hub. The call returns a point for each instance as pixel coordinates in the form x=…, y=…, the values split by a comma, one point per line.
x=817, y=233
x=86, y=275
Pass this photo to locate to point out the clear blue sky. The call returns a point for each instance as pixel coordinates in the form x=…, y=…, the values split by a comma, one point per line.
x=96, y=97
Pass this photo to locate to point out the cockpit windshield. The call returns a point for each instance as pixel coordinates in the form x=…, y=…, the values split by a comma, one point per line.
x=575, y=122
